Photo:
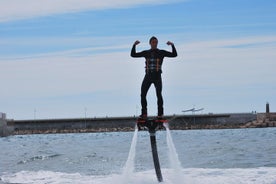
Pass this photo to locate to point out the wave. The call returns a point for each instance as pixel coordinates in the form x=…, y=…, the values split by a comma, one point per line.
x=264, y=175
x=38, y=157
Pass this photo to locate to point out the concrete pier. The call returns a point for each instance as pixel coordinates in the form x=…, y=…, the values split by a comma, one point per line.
x=108, y=124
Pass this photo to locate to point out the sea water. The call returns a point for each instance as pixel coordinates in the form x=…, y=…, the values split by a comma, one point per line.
x=231, y=156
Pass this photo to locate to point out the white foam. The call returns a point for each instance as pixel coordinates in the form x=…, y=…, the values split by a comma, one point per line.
x=262, y=175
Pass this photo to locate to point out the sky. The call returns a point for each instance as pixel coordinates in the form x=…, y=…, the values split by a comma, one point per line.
x=71, y=58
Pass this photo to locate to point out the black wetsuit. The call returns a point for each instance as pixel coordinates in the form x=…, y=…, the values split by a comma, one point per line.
x=154, y=59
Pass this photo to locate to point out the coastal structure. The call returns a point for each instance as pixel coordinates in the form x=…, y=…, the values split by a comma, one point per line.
x=5, y=129
x=177, y=122
x=111, y=124
x=266, y=119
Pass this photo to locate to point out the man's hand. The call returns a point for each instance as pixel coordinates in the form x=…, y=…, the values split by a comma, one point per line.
x=169, y=43
x=136, y=42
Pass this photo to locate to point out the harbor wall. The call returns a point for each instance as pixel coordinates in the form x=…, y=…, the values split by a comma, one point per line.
x=107, y=124
x=212, y=121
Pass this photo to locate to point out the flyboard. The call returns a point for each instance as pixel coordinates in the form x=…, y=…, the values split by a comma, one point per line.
x=152, y=125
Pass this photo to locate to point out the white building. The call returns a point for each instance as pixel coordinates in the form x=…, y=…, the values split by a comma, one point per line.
x=5, y=130
x=3, y=115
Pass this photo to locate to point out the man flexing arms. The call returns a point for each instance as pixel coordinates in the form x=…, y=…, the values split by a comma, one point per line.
x=154, y=59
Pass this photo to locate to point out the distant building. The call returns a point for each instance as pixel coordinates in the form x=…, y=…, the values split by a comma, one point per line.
x=5, y=129
x=3, y=116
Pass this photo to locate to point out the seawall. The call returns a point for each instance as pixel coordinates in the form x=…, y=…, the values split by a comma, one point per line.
x=108, y=124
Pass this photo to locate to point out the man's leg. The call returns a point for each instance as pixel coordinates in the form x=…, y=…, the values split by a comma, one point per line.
x=144, y=90
x=158, y=88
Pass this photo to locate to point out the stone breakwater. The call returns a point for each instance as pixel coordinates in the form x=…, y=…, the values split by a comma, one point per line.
x=78, y=125
x=64, y=131
x=263, y=120
x=119, y=124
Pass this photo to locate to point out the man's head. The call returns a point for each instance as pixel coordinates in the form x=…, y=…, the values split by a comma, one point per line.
x=153, y=42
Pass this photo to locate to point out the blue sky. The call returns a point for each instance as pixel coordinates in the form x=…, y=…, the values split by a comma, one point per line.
x=61, y=59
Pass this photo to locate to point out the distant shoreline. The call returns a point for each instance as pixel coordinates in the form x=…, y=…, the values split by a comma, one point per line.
x=125, y=124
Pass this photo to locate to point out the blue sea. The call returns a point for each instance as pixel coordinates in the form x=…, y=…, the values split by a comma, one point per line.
x=229, y=156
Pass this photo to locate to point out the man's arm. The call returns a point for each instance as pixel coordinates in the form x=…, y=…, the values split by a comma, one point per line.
x=170, y=54
x=133, y=51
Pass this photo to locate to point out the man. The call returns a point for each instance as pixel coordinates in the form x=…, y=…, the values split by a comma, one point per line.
x=154, y=59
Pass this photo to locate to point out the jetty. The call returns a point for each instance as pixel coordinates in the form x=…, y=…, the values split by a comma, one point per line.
x=112, y=124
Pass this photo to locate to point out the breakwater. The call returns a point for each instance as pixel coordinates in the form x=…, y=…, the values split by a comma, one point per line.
x=108, y=124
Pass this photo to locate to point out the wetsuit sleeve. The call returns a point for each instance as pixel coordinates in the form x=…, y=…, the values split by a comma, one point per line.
x=170, y=54
x=136, y=54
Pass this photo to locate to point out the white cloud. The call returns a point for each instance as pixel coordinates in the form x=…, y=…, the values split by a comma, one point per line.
x=18, y=9
x=65, y=75
x=228, y=68
x=229, y=62
x=209, y=63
